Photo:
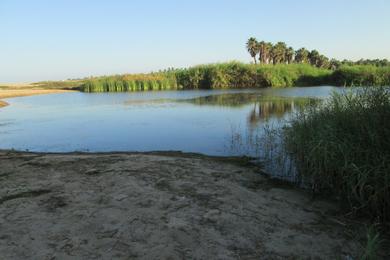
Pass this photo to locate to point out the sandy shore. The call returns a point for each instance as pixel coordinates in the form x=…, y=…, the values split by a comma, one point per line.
x=159, y=206
x=25, y=91
x=3, y=103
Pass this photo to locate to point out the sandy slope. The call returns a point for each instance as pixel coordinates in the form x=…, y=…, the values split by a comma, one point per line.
x=157, y=206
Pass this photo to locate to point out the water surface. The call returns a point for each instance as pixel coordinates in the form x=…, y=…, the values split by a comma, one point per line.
x=213, y=122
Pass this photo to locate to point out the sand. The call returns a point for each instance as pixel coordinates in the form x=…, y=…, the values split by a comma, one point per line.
x=159, y=206
x=3, y=104
x=25, y=91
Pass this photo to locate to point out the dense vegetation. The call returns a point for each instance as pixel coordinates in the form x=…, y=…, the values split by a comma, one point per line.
x=343, y=148
x=361, y=75
x=213, y=76
x=268, y=53
x=240, y=75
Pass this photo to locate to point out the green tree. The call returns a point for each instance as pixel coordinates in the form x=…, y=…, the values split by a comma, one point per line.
x=334, y=64
x=267, y=52
x=262, y=52
x=289, y=55
x=314, y=58
x=323, y=62
x=302, y=56
x=278, y=52
x=252, y=47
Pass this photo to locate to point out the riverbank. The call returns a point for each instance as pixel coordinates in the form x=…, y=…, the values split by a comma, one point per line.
x=160, y=205
x=3, y=104
x=22, y=90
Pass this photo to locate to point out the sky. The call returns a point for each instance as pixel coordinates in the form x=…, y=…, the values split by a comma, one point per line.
x=61, y=39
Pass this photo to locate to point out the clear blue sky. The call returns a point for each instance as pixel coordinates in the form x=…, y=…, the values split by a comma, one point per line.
x=59, y=39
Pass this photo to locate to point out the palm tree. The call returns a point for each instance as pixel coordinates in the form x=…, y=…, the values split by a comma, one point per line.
x=278, y=52
x=261, y=47
x=302, y=55
x=289, y=55
x=267, y=51
x=252, y=47
x=323, y=62
x=314, y=58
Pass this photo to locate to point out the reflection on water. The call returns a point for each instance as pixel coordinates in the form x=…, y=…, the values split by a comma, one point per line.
x=263, y=106
x=277, y=107
x=191, y=121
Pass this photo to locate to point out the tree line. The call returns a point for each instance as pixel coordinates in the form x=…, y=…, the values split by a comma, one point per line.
x=279, y=53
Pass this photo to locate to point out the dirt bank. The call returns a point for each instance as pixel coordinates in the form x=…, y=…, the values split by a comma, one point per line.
x=158, y=206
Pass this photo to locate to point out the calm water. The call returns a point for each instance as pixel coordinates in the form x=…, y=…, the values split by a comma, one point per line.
x=214, y=122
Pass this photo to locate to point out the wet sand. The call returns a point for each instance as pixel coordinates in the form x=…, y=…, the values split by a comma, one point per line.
x=167, y=205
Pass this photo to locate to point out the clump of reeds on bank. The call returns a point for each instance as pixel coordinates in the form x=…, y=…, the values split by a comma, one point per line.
x=131, y=82
x=343, y=149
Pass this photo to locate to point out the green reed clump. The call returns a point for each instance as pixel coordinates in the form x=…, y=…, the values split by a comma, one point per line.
x=361, y=75
x=343, y=148
x=240, y=75
x=131, y=82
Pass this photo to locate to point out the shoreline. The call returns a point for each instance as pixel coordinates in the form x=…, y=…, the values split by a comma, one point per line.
x=161, y=205
x=23, y=92
x=3, y=104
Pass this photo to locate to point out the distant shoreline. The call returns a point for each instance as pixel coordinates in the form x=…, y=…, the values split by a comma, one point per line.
x=22, y=92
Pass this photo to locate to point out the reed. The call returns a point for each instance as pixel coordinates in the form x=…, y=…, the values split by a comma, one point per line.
x=131, y=82
x=241, y=75
x=343, y=148
x=361, y=75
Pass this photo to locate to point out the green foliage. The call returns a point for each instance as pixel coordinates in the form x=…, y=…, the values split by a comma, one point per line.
x=361, y=75
x=372, y=245
x=135, y=82
x=343, y=148
x=240, y=75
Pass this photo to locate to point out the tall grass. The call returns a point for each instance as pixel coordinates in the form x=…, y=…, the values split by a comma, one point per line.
x=241, y=75
x=343, y=149
x=131, y=82
x=361, y=75
x=372, y=245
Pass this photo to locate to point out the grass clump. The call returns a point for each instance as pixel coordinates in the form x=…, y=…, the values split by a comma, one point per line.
x=343, y=148
x=131, y=82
